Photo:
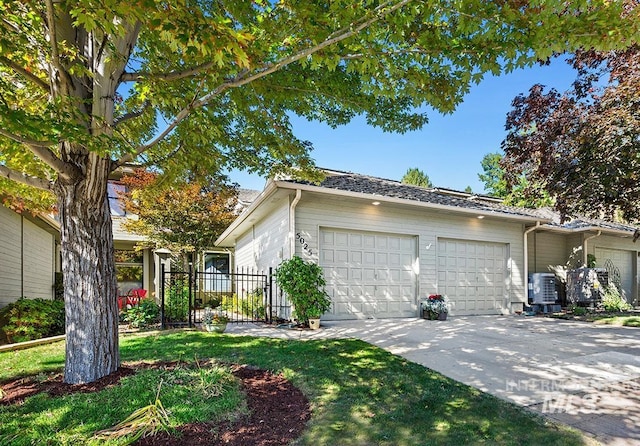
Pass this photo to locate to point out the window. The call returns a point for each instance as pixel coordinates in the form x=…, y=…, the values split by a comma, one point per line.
x=129, y=270
x=114, y=192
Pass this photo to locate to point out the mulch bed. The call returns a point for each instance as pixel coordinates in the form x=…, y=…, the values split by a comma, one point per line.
x=278, y=411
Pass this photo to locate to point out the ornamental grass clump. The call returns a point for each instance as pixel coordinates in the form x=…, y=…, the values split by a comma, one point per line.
x=143, y=422
x=303, y=282
x=613, y=302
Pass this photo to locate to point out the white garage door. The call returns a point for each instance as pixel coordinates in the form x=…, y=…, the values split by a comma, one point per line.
x=623, y=261
x=369, y=274
x=473, y=275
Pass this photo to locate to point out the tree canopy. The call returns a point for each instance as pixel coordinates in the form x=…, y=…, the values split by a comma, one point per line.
x=583, y=146
x=87, y=86
x=416, y=177
x=185, y=217
x=517, y=192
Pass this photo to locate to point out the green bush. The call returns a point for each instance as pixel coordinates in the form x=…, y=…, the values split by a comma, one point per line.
x=303, y=282
x=143, y=315
x=250, y=305
x=176, y=304
x=612, y=301
x=29, y=319
x=579, y=311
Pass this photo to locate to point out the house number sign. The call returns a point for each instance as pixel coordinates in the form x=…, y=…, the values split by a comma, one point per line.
x=303, y=242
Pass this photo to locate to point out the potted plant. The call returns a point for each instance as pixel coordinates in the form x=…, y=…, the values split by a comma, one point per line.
x=314, y=318
x=303, y=282
x=434, y=307
x=214, y=320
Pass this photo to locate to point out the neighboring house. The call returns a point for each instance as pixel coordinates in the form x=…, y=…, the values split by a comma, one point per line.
x=141, y=268
x=29, y=256
x=383, y=245
x=30, y=252
x=135, y=268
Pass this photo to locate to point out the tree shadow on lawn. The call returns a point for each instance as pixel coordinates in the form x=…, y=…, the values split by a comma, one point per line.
x=361, y=394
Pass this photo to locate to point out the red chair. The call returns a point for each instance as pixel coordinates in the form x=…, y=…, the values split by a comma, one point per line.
x=132, y=298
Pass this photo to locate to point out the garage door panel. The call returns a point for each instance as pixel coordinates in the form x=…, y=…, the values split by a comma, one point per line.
x=369, y=258
x=622, y=260
x=369, y=241
x=381, y=279
x=369, y=275
x=355, y=240
x=474, y=276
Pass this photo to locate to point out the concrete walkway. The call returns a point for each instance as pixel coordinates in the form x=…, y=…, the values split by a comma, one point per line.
x=583, y=375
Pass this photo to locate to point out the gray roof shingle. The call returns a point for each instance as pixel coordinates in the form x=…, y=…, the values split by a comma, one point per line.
x=380, y=187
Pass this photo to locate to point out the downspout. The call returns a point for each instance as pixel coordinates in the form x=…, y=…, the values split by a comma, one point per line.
x=292, y=223
x=526, y=257
x=584, y=248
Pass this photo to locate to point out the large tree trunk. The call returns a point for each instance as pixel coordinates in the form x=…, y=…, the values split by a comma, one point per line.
x=90, y=288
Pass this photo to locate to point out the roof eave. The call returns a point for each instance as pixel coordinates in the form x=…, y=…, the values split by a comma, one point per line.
x=384, y=199
x=611, y=231
x=268, y=190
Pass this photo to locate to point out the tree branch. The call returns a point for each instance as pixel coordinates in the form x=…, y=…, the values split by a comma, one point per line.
x=55, y=55
x=22, y=178
x=132, y=115
x=41, y=150
x=245, y=78
x=25, y=141
x=27, y=74
x=171, y=76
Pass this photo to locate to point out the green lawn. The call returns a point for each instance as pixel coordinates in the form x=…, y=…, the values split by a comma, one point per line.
x=621, y=321
x=360, y=395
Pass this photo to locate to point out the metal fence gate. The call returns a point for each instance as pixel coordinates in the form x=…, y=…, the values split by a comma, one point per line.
x=242, y=296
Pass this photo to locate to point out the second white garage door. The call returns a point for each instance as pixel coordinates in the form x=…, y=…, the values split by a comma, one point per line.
x=623, y=261
x=473, y=275
x=369, y=274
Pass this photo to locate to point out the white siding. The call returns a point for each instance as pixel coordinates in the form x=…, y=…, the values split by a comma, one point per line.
x=10, y=256
x=38, y=262
x=27, y=259
x=267, y=243
x=314, y=212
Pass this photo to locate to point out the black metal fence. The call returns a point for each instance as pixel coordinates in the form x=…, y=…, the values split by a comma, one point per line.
x=242, y=296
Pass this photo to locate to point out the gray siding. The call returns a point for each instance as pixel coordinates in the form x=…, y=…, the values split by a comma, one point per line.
x=545, y=250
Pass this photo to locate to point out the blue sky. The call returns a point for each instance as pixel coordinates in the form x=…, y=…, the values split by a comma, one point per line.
x=448, y=149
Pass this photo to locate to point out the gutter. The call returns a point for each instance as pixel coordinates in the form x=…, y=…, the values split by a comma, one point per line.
x=584, y=247
x=292, y=223
x=526, y=257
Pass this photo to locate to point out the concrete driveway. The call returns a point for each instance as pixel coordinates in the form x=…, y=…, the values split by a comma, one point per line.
x=583, y=375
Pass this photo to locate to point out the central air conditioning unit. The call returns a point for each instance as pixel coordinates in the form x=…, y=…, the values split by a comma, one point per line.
x=586, y=285
x=542, y=289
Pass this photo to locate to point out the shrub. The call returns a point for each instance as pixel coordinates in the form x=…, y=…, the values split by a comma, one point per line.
x=303, y=282
x=250, y=304
x=579, y=311
x=143, y=315
x=176, y=304
x=29, y=319
x=612, y=301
